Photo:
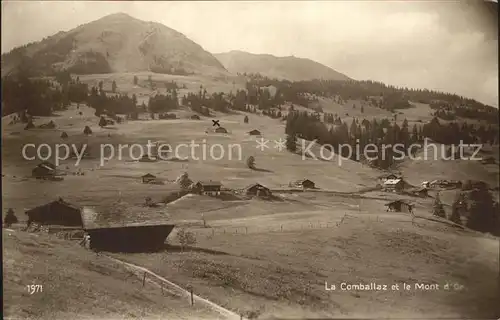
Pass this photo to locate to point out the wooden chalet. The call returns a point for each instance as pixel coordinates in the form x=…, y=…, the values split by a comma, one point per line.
x=57, y=212
x=210, y=187
x=394, y=185
x=220, y=130
x=255, y=132
x=126, y=228
x=304, y=184
x=258, y=190
x=44, y=170
x=148, y=178
x=399, y=206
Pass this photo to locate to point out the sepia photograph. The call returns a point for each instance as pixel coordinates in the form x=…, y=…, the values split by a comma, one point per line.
x=250, y=160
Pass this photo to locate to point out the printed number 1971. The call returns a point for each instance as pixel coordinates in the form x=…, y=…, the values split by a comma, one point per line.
x=34, y=288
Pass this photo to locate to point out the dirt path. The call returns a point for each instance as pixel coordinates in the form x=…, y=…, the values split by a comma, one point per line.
x=227, y=314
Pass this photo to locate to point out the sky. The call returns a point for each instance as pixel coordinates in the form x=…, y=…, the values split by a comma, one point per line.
x=447, y=46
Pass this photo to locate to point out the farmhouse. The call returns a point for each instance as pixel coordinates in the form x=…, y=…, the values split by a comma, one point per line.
x=211, y=188
x=399, y=206
x=44, y=170
x=422, y=192
x=220, y=130
x=390, y=176
x=57, y=212
x=258, y=190
x=254, y=132
x=304, y=184
x=394, y=185
x=126, y=228
x=148, y=178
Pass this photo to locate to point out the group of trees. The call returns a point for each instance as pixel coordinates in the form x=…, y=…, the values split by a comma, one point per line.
x=202, y=102
x=379, y=94
x=379, y=132
x=473, y=207
x=120, y=104
x=39, y=97
x=453, y=132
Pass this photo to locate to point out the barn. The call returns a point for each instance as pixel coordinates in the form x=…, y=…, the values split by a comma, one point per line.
x=394, y=185
x=220, y=130
x=148, y=178
x=255, y=132
x=304, y=183
x=126, y=227
x=399, y=206
x=44, y=170
x=210, y=187
x=57, y=212
x=257, y=189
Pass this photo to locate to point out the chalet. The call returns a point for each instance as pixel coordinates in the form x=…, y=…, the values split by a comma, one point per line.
x=394, y=185
x=258, y=190
x=148, y=178
x=254, y=132
x=44, y=170
x=148, y=158
x=211, y=188
x=304, y=184
x=220, y=130
x=399, y=206
x=421, y=192
x=488, y=160
x=126, y=228
x=57, y=212
x=390, y=176
x=195, y=117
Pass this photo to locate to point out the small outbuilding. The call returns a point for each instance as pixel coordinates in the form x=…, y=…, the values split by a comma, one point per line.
x=255, y=132
x=44, y=170
x=57, y=212
x=399, y=206
x=257, y=190
x=148, y=178
x=195, y=117
x=220, y=130
x=304, y=184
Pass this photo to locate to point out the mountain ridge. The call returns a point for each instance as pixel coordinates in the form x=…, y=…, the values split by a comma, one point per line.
x=284, y=67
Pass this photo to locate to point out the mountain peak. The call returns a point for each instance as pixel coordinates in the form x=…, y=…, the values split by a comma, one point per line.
x=115, y=43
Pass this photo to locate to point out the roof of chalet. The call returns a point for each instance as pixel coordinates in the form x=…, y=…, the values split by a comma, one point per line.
x=210, y=183
x=47, y=165
x=59, y=201
x=120, y=214
x=392, y=181
x=301, y=181
x=148, y=175
x=254, y=131
x=398, y=201
x=256, y=185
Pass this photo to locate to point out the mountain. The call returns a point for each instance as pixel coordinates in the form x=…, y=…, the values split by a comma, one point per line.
x=290, y=68
x=114, y=43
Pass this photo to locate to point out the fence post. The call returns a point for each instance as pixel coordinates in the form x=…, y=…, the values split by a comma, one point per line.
x=246, y=230
x=144, y=279
x=192, y=297
x=281, y=228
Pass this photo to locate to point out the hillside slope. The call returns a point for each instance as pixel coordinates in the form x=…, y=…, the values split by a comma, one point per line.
x=115, y=43
x=290, y=68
